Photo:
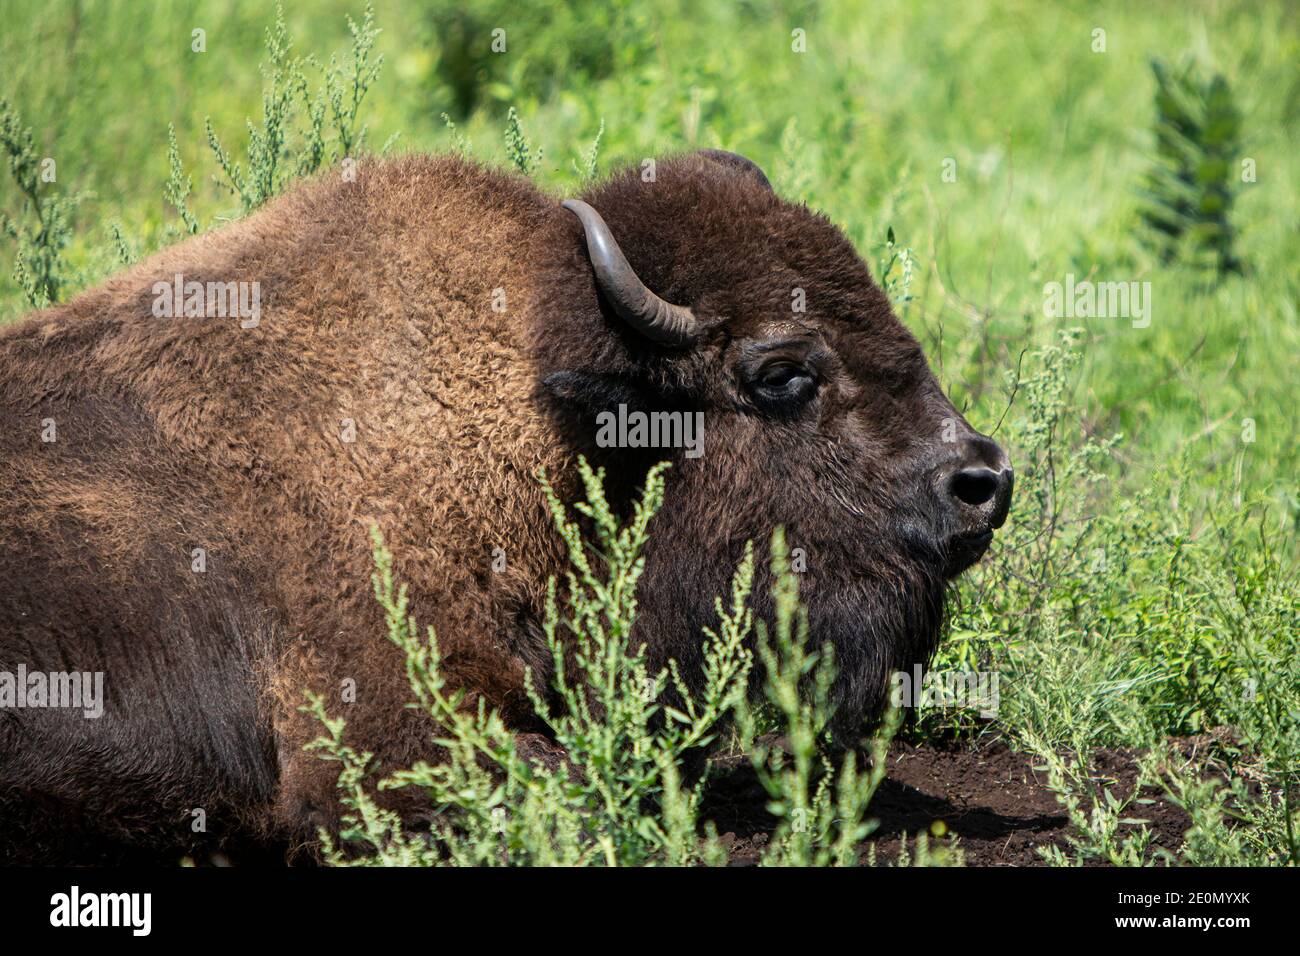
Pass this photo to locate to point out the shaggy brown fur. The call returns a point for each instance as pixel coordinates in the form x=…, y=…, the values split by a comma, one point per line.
x=377, y=307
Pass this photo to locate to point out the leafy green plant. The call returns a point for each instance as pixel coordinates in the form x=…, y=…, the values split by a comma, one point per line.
x=620, y=795
x=286, y=145
x=458, y=140
x=1117, y=623
x=1251, y=595
x=1188, y=194
x=1027, y=596
x=820, y=806
x=179, y=186
x=346, y=87
x=1099, y=817
x=39, y=267
x=895, y=269
x=518, y=152
x=587, y=169
x=620, y=799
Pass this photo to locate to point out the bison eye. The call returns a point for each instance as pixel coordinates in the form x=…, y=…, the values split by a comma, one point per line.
x=784, y=384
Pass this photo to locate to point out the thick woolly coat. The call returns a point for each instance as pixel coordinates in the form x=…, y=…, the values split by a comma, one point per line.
x=430, y=336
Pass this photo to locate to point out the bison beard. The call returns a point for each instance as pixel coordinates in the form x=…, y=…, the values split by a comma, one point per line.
x=383, y=384
x=880, y=606
x=875, y=626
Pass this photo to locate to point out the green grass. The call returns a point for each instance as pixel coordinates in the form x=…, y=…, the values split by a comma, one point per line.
x=1148, y=573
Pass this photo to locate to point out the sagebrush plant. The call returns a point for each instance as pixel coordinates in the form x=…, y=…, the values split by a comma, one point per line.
x=179, y=185
x=459, y=143
x=895, y=270
x=522, y=157
x=620, y=796
x=819, y=800
x=1017, y=601
x=622, y=799
x=44, y=226
x=588, y=166
x=301, y=130
x=1108, y=827
x=1251, y=596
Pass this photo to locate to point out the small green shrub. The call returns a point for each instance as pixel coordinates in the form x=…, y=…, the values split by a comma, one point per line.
x=288, y=145
x=1189, y=192
x=522, y=156
x=39, y=267
x=1119, y=623
x=895, y=269
x=627, y=731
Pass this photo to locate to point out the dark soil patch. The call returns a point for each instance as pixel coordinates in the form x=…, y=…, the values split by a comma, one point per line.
x=986, y=797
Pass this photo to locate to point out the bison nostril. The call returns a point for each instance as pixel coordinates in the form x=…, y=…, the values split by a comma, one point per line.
x=974, y=486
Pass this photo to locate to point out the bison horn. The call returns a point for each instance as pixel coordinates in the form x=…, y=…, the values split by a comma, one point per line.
x=636, y=305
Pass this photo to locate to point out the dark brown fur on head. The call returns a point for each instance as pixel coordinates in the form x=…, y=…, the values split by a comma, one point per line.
x=848, y=469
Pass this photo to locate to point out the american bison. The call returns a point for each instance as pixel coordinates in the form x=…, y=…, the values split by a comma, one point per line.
x=193, y=452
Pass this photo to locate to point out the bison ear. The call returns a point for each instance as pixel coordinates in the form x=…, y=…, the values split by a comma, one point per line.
x=736, y=161
x=592, y=393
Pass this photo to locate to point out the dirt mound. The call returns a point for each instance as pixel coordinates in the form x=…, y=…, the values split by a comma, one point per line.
x=989, y=798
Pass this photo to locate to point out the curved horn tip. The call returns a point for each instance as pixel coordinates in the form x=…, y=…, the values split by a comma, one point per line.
x=656, y=319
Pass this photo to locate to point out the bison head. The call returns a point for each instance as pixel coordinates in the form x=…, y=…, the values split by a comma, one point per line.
x=698, y=290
